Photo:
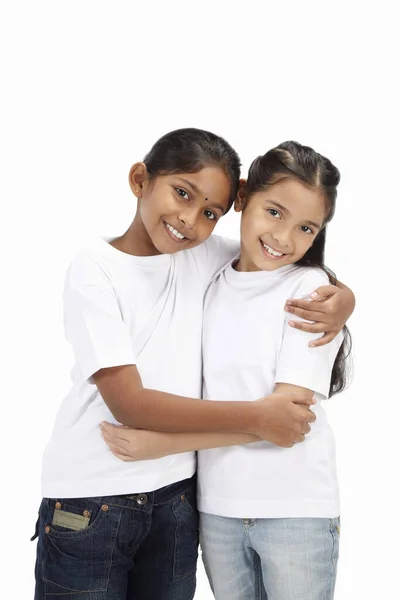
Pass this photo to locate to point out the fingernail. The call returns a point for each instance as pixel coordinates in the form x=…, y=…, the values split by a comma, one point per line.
x=314, y=295
x=287, y=308
x=311, y=344
x=288, y=302
x=291, y=323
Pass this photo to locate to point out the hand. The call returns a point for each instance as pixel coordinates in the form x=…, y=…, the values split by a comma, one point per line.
x=330, y=308
x=134, y=444
x=284, y=417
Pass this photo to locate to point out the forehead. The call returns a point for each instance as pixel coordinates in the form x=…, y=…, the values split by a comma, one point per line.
x=301, y=201
x=210, y=182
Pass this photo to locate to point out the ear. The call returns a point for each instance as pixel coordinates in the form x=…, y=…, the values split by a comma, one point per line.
x=240, y=199
x=137, y=176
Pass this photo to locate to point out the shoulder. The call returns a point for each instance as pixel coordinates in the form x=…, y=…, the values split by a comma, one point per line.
x=213, y=254
x=90, y=264
x=217, y=243
x=214, y=246
x=306, y=279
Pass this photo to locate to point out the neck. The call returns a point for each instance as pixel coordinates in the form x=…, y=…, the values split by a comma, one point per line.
x=136, y=240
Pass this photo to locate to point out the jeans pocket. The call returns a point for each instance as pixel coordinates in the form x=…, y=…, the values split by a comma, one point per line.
x=79, y=536
x=335, y=525
x=186, y=535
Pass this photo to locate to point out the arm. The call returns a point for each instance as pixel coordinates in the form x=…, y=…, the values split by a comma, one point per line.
x=279, y=418
x=143, y=408
x=331, y=307
x=300, y=366
x=137, y=444
x=288, y=387
x=102, y=345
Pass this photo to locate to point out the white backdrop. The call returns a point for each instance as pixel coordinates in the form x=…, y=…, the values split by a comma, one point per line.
x=87, y=87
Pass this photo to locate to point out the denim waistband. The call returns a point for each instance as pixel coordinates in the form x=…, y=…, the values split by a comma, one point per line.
x=145, y=500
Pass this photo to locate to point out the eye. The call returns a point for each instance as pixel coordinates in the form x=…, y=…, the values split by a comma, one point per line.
x=275, y=213
x=182, y=193
x=210, y=215
x=306, y=229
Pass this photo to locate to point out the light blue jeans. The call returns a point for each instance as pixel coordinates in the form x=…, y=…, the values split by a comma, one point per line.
x=270, y=559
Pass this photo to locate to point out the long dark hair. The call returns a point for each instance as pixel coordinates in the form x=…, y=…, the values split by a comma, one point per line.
x=190, y=150
x=302, y=163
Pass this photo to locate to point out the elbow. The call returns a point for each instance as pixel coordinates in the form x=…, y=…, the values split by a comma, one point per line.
x=126, y=411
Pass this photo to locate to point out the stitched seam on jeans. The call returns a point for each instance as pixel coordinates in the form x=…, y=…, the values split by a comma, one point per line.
x=332, y=530
x=176, y=563
x=111, y=553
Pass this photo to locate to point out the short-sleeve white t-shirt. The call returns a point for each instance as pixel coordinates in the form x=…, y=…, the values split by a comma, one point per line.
x=123, y=310
x=248, y=347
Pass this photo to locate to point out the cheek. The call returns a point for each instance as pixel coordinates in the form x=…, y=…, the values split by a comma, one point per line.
x=304, y=244
x=247, y=224
x=204, y=228
x=155, y=206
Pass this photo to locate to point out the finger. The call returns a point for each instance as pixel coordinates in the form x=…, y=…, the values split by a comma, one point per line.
x=111, y=441
x=308, y=315
x=306, y=305
x=111, y=426
x=114, y=449
x=306, y=416
x=299, y=438
x=319, y=327
x=114, y=431
x=303, y=398
x=311, y=416
x=305, y=429
x=325, y=339
x=123, y=457
x=286, y=444
x=324, y=292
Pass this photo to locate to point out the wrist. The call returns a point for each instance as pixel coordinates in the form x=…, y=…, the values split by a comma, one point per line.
x=166, y=446
x=255, y=414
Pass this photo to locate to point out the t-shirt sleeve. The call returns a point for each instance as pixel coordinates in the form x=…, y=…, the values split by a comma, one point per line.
x=92, y=318
x=214, y=254
x=298, y=364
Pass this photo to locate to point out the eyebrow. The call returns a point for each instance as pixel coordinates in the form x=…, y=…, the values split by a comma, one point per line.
x=200, y=193
x=285, y=210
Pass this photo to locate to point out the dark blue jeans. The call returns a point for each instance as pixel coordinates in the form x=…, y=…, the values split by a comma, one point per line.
x=135, y=547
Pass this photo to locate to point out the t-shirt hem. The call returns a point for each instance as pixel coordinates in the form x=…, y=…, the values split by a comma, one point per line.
x=116, y=487
x=303, y=379
x=225, y=507
x=90, y=369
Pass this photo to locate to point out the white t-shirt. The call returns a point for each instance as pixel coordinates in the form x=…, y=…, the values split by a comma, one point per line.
x=124, y=310
x=248, y=347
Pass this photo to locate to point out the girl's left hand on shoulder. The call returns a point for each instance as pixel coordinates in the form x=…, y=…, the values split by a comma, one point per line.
x=134, y=444
x=329, y=309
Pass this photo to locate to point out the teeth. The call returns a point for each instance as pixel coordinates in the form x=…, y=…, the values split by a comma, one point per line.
x=271, y=251
x=175, y=232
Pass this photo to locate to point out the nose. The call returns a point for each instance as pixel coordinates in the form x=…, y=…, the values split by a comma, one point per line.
x=282, y=237
x=188, y=218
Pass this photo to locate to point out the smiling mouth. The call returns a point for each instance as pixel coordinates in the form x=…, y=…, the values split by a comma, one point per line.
x=176, y=235
x=271, y=252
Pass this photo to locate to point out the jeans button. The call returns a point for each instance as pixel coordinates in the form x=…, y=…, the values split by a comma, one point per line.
x=141, y=499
